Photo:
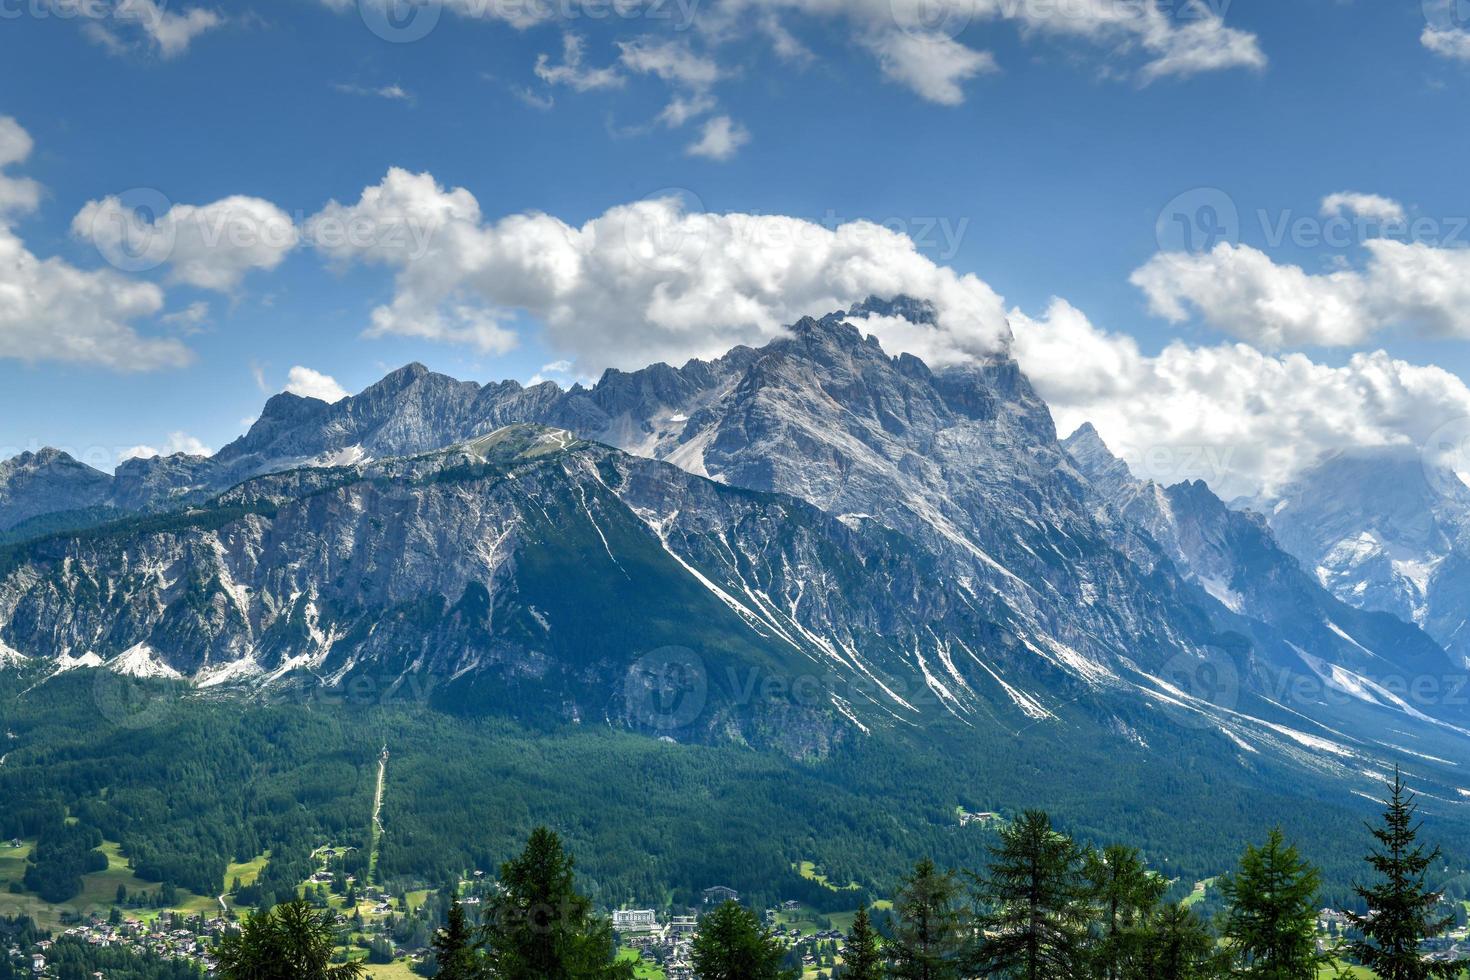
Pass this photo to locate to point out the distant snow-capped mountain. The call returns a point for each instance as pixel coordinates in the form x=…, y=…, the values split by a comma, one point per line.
x=1383, y=531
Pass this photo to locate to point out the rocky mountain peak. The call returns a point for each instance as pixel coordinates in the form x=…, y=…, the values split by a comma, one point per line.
x=38, y=459
x=1094, y=458
x=829, y=333
x=907, y=307
x=401, y=378
x=45, y=481
x=1383, y=530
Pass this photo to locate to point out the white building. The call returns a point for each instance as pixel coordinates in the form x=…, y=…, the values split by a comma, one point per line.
x=630, y=920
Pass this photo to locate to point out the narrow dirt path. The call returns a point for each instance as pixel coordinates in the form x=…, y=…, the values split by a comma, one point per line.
x=377, y=827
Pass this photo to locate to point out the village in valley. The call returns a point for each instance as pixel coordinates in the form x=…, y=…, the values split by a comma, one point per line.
x=391, y=932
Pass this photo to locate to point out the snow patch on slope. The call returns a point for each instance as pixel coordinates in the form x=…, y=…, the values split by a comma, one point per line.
x=142, y=661
x=690, y=455
x=227, y=673
x=1221, y=591
x=11, y=657
x=67, y=662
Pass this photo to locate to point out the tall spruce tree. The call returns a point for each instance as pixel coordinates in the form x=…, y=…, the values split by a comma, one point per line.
x=1271, y=921
x=292, y=941
x=733, y=945
x=1036, y=905
x=1176, y=944
x=1125, y=892
x=455, y=949
x=862, y=959
x=1400, y=912
x=929, y=931
x=539, y=927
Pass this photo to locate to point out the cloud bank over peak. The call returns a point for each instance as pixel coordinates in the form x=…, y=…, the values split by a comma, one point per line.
x=308, y=383
x=642, y=282
x=1244, y=421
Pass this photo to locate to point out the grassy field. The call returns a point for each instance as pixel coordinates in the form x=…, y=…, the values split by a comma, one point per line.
x=641, y=970
x=98, y=894
x=246, y=871
x=807, y=921
x=13, y=862
x=1198, y=894
x=397, y=970
x=808, y=870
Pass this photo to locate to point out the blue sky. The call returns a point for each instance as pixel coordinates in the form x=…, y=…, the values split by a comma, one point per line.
x=1035, y=151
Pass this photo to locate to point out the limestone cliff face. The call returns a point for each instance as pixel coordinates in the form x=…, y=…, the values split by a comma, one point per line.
x=910, y=547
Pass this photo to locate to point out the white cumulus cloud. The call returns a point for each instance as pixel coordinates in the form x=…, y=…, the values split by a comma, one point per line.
x=18, y=195
x=308, y=383
x=572, y=72
x=923, y=43
x=934, y=65
x=161, y=31
x=50, y=310
x=1243, y=292
x=642, y=282
x=719, y=139
x=1447, y=31
x=211, y=246
x=1448, y=42
x=673, y=61
x=1370, y=206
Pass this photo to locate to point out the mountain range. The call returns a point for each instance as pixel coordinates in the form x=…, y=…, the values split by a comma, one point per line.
x=647, y=552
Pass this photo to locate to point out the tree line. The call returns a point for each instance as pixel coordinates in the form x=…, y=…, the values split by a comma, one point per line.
x=1048, y=909
x=1044, y=908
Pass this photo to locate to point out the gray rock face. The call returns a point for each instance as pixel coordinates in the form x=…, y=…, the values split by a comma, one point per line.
x=45, y=482
x=1233, y=556
x=526, y=571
